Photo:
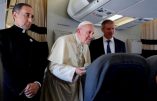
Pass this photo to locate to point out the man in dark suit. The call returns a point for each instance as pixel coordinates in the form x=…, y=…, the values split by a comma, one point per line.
x=99, y=46
x=23, y=58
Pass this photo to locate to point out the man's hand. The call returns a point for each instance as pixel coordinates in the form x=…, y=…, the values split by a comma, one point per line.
x=31, y=89
x=80, y=71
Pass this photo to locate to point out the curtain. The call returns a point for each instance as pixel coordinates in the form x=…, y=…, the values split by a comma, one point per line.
x=149, y=37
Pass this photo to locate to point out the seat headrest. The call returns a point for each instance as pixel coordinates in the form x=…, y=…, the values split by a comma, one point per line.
x=113, y=70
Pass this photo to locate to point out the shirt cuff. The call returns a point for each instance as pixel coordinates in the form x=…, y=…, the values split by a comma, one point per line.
x=38, y=83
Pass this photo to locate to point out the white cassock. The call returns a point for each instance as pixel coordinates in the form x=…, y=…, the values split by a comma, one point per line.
x=67, y=54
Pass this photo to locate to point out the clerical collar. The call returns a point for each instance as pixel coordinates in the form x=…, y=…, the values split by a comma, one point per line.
x=19, y=29
x=23, y=31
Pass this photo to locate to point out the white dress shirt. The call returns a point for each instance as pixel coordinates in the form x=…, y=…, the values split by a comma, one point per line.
x=111, y=44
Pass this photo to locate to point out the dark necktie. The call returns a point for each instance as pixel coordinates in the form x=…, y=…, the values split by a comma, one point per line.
x=108, y=46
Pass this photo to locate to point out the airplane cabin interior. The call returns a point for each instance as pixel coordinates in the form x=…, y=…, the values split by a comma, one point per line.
x=135, y=25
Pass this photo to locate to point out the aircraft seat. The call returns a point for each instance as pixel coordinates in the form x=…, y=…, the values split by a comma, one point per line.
x=117, y=77
x=152, y=62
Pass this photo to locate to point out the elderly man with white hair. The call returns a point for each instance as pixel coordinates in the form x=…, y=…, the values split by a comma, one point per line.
x=68, y=59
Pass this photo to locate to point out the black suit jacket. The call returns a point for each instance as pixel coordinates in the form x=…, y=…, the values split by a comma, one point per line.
x=38, y=29
x=96, y=47
x=23, y=60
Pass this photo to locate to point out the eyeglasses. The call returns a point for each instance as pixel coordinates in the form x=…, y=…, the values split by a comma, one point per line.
x=88, y=31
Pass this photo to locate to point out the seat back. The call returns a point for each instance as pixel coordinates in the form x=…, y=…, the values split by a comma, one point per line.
x=119, y=77
x=152, y=62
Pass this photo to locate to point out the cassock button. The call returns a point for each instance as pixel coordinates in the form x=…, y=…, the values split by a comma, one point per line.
x=30, y=40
